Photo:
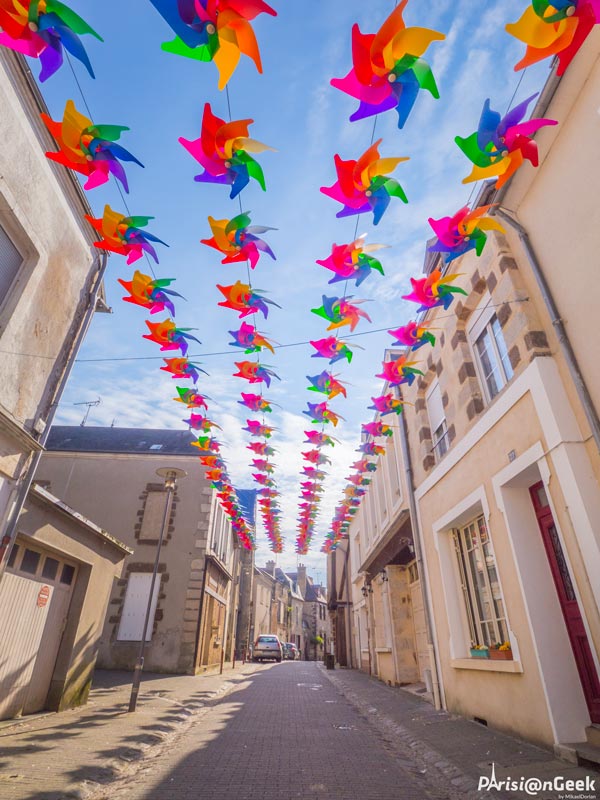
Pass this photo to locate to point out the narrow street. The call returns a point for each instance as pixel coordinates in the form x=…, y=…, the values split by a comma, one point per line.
x=272, y=731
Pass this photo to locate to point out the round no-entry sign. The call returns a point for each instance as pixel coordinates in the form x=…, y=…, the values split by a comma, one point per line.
x=43, y=596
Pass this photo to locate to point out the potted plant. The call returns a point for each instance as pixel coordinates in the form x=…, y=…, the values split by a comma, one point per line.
x=479, y=651
x=501, y=651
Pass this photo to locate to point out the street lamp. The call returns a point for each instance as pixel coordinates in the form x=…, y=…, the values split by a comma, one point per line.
x=170, y=475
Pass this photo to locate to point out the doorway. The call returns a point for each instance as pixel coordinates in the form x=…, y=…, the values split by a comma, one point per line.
x=567, y=598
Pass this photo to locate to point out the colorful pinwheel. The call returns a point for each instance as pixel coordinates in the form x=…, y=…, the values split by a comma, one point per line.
x=214, y=30
x=250, y=339
x=320, y=412
x=240, y=297
x=237, y=241
x=207, y=444
x=316, y=457
x=190, y=397
x=338, y=311
x=41, y=29
x=199, y=423
x=182, y=368
x=500, y=145
x=433, y=291
x=371, y=449
x=362, y=185
x=332, y=348
x=319, y=439
x=122, y=235
x=399, y=371
x=387, y=404
x=388, y=70
x=413, y=335
x=556, y=28
x=352, y=262
x=256, y=428
x=149, y=292
x=255, y=402
x=465, y=231
x=223, y=150
x=326, y=383
x=377, y=429
x=169, y=336
x=261, y=448
x=89, y=149
x=254, y=372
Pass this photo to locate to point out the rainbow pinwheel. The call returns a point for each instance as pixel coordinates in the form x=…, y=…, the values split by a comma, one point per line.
x=256, y=428
x=319, y=439
x=211, y=461
x=316, y=457
x=169, y=336
x=182, y=368
x=261, y=448
x=332, y=348
x=377, y=429
x=338, y=311
x=362, y=185
x=207, y=444
x=199, y=423
x=364, y=465
x=254, y=372
x=434, y=290
x=41, y=29
x=413, y=335
x=500, y=145
x=262, y=465
x=150, y=292
x=237, y=241
x=387, y=404
x=190, y=397
x=214, y=30
x=250, y=339
x=465, y=231
x=556, y=28
x=314, y=474
x=352, y=262
x=372, y=449
x=399, y=371
x=223, y=150
x=320, y=412
x=326, y=383
x=255, y=402
x=89, y=149
x=388, y=70
x=123, y=235
x=240, y=297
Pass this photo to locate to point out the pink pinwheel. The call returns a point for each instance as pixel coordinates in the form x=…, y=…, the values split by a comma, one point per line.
x=387, y=404
x=465, y=231
x=377, y=429
x=250, y=339
x=363, y=185
x=434, y=290
x=332, y=348
x=255, y=428
x=255, y=402
x=413, y=335
x=319, y=439
x=388, y=70
x=260, y=448
x=372, y=449
x=338, y=311
x=316, y=457
x=199, y=423
x=352, y=261
x=399, y=371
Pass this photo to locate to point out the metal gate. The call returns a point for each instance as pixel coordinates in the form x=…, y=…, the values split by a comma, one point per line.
x=34, y=600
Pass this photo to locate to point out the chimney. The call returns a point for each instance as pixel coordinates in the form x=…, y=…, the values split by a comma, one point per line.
x=270, y=568
x=302, y=579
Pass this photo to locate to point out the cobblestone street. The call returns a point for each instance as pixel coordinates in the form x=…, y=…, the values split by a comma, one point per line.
x=271, y=731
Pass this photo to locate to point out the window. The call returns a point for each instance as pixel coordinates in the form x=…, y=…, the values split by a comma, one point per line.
x=490, y=351
x=30, y=562
x=133, y=615
x=67, y=574
x=10, y=262
x=437, y=421
x=50, y=569
x=154, y=511
x=13, y=555
x=480, y=585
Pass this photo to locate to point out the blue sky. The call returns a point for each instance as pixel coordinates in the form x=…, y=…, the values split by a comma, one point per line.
x=161, y=97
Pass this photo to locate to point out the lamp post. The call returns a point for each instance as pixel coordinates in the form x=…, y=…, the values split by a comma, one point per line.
x=170, y=475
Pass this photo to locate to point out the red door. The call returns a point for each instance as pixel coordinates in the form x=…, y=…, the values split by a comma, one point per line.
x=568, y=601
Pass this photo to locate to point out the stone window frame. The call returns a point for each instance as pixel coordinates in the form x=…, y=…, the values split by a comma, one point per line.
x=444, y=437
x=480, y=319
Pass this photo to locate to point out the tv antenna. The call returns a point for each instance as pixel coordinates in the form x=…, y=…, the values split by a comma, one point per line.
x=90, y=404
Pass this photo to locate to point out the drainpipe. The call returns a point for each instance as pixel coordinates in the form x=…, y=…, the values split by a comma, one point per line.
x=417, y=534
x=558, y=325
x=349, y=605
x=10, y=532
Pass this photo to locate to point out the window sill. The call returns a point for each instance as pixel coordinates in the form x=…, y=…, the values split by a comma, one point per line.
x=486, y=665
x=383, y=649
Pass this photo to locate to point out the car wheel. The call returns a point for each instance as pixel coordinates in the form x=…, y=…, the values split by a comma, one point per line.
x=278, y=660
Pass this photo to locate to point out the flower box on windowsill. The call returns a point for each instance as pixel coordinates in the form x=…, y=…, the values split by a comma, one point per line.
x=484, y=653
x=501, y=655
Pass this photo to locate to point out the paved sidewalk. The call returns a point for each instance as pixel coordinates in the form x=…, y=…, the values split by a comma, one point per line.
x=450, y=745
x=67, y=755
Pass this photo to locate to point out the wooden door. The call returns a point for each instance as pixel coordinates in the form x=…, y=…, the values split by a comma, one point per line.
x=568, y=601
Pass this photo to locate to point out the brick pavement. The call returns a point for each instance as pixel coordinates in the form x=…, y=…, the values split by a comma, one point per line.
x=64, y=755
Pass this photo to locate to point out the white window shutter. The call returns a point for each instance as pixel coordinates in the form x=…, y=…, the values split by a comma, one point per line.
x=133, y=615
x=10, y=261
x=435, y=407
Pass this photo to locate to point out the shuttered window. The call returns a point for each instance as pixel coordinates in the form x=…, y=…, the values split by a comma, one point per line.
x=437, y=421
x=10, y=261
x=133, y=616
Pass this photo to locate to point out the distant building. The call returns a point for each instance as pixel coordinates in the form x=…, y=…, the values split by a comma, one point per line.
x=315, y=619
x=110, y=474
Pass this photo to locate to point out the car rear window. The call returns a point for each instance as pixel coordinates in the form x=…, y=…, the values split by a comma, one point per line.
x=267, y=639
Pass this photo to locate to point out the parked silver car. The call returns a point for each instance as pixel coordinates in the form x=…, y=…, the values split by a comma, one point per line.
x=267, y=646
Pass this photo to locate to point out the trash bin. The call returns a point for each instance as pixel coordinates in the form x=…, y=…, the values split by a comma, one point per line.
x=330, y=661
